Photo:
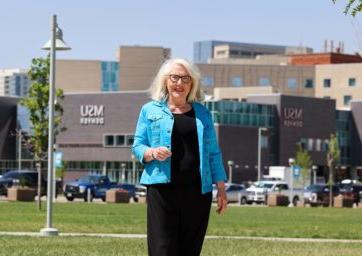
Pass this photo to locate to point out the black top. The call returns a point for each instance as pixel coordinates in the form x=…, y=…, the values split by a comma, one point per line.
x=185, y=159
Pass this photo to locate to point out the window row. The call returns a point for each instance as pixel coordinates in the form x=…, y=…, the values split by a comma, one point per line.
x=314, y=144
x=118, y=140
x=239, y=107
x=237, y=81
x=327, y=82
x=243, y=119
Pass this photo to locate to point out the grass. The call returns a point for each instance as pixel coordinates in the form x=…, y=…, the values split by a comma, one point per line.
x=131, y=218
x=113, y=246
x=238, y=221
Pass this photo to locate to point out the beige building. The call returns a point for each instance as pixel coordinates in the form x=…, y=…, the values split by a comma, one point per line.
x=139, y=64
x=342, y=82
x=79, y=75
x=289, y=80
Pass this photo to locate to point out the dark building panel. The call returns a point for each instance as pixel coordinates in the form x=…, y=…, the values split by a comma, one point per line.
x=8, y=112
x=240, y=144
x=356, y=107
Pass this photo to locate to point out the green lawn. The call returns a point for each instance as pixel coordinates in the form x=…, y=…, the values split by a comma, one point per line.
x=114, y=246
x=238, y=221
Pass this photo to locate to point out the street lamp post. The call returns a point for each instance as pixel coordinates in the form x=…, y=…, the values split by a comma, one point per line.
x=133, y=169
x=55, y=43
x=230, y=164
x=314, y=168
x=260, y=129
x=291, y=164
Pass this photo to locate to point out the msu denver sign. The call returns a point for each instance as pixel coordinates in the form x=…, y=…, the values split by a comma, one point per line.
x=293, y=117
x=92, y=114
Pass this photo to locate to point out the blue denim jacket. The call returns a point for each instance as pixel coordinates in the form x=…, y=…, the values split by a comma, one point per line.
x=154, y=129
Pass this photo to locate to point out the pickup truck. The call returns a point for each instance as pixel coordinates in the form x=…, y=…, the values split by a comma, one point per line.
x=97, y=186
x=259, y=191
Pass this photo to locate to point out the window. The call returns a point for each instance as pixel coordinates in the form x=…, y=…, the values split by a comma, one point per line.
x=318, y=145
x=236, y=81
x=264, y=81
x=327, y=83
x=352, y=82
x=292, y=83
x=130, y=139
x=207, y=81
x=109, y=140
x=264, y=141
x=303, y=143
x=347, y=99
x=308, y=83
x=120, y=140
x=310, y=144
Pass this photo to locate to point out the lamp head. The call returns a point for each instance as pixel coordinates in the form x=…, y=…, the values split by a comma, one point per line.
x=60, y=44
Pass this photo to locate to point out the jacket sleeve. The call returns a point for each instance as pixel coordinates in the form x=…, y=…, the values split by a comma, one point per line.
x=215, y=157
x=141, y=142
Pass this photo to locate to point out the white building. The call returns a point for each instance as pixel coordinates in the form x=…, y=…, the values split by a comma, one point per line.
x=14, y=82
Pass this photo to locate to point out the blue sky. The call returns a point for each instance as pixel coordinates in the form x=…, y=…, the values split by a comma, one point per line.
x=94, y=29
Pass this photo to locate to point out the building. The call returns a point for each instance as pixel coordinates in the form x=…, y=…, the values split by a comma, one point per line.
x=100, y=129
x=8, y=124
x=205, y=50
x=342, y=82
x=14, y=82
x=134, y=69
x=87, y=75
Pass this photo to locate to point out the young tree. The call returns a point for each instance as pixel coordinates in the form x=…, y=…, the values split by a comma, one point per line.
x=304, y=160
x=37, y=102
x=353, y=7
x=333, y=155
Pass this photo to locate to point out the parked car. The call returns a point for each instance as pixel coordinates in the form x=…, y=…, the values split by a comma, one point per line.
x=352, y=191
x=20, y=177
x=141, y=192
x=318, y=194
x=234, y=192
x=97, y=186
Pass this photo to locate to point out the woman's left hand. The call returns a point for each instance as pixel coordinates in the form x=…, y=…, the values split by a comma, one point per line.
x=221, y=197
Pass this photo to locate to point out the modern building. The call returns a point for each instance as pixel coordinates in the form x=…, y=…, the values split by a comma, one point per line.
x=100, y=128
x=205, y=50
x=87, y=75
x=133, y=70
x=8, y=125
x=14, y=82
x=342, y=82
x=286, y=79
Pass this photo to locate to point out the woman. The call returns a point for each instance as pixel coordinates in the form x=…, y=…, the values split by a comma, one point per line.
x=175, y=140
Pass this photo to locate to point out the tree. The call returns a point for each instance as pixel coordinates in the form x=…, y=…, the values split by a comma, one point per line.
x=353, y=7
x=333, y=156
x=304, y=160
x=37, y=102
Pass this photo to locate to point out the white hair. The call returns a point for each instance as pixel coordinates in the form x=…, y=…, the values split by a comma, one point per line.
x=158, y=89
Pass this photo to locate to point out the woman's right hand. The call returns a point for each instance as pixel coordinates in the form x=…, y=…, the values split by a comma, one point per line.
x=159, y=154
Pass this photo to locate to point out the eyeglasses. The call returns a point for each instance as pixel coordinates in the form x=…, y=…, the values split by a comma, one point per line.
x=175, y=78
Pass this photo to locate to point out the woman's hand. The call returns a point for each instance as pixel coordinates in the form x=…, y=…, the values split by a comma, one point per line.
x=221, y=197
x=159, y=154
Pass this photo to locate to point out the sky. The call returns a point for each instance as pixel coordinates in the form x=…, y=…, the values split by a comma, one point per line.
x=95, y=29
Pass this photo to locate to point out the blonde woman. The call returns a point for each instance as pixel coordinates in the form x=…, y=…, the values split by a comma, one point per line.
x=175, y=140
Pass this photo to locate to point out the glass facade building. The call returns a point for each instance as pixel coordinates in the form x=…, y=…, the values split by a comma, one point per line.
x=344, y=121
x=110, y=77
x=242, y=113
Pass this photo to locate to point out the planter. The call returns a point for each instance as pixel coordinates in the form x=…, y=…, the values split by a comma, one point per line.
x=117, y=196
x=341, y=201
x=277, y=200
x=21, y=194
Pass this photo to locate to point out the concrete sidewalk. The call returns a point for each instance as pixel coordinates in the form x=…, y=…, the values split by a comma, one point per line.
x=143, y=236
